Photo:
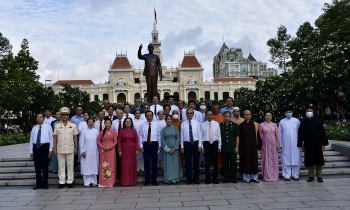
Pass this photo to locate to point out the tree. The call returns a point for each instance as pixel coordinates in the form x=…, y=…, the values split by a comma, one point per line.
x=279, y=49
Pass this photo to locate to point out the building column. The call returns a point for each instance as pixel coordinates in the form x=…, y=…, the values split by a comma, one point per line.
x=231, y=92
x=199, y=93
x=114, y=97
x=100, y=94
x=128, y=95
x=212, y=93
x=220, y=93
x=185, y=95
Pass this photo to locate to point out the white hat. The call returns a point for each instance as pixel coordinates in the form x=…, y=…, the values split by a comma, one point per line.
x=236, y=108
x=65, y=110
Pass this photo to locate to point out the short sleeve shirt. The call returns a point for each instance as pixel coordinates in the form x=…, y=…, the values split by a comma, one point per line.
x=65, y=137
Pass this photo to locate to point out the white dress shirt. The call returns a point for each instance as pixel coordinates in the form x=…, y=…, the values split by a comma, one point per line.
x=97, y=124
x=162, y=123
x=173, y=107
x=155, y=133
x=137, y=124
x=49, y=120
x=159, y=107
x=82, y=126
x=106, y=112
x=184, y=117
x=115, y=124
x=215, y=127
x=196, y=131
x=45, y=137
x=130, y=115
x=196, y=116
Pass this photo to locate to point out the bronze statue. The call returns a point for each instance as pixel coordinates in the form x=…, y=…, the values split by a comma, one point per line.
x=151, y=70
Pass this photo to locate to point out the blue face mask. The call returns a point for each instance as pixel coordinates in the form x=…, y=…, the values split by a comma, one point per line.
x=289, y=115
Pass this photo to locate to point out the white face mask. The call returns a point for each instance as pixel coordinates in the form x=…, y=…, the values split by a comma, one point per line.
x=175, y=116
x=202, y=107
x=309, y=114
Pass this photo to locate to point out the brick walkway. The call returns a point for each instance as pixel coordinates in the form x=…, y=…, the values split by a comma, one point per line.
x=334, y=193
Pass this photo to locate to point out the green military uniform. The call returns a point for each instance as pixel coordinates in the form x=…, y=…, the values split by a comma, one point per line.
x=228, y=139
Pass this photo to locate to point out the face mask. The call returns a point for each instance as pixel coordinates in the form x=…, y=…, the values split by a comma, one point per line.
x=289, y=115
x=202, y=107
x=309, y=114
x=175, y=116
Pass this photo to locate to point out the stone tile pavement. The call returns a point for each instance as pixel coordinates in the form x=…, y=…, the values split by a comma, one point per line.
x=334, y=193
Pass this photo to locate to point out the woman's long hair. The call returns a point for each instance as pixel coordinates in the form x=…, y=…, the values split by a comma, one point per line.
x=104, y=130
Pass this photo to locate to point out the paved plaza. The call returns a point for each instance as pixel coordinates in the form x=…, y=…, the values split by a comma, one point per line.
x=334, y=193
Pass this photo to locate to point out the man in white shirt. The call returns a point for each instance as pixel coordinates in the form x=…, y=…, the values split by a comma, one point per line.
x=155, y=106
x=111, y=114
x=182, y=110
x=100, y=123
x=40, y=146
x=197, y=115
x=191, y=146
x=107, y=104
x=127, y=113
x=150, y=146
x=172, y=105
x=211, y=146
x=48, y=118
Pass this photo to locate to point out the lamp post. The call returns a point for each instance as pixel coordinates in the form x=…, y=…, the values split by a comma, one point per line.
x=47, y=80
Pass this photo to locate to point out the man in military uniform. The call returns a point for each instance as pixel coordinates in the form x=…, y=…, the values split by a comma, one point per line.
x=65, y=147
x=229, y=149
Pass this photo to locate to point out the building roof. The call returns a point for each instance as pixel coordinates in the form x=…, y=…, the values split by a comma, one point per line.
x=224, y=46
x=74, y=82
x=121, y=62
x=190, y=61
x=235, y=79
x=251, y=57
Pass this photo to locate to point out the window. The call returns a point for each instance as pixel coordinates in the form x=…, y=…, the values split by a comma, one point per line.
x=96, y=97
x=175, y=79
x=105, y=96
x=216, y=96
x=137, y=80
x=225, y=95
x=207, y=95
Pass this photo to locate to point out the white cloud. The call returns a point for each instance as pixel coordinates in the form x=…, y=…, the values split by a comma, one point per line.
x=81, y=38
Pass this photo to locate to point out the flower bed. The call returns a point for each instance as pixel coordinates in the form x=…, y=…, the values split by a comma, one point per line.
x=9, y=139
x=338, y=131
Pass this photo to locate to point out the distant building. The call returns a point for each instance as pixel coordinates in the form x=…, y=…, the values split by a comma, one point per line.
x=184, y=82
x=229, y=62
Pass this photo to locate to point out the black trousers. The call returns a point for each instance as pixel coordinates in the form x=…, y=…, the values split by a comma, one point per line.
x=191, y=155
x=229, y=163
x=150, y=154
x=211, y=153
x=41, y=161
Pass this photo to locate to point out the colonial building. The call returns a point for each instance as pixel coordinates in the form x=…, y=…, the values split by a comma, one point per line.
x=229, y=62
x=185, y=81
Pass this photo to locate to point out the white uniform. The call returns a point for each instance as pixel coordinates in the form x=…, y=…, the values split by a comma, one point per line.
x=290, y=154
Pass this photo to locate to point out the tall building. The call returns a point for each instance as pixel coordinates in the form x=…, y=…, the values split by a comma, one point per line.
x=184, y=81
x=229, y=63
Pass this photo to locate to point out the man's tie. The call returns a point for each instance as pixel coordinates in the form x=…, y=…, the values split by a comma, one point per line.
x=210, y=134
x=38, y=138
x=127, y=115
x=120, y=126
x=155, y=110
x=180, y=114
x=100, y=125
x=149, y=134
x=191, y=133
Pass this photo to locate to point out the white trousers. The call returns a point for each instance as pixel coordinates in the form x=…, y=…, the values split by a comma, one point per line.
x=64, y=159
x=90, y=179
x=247, y=177
x=140, y=165
x=289, y=171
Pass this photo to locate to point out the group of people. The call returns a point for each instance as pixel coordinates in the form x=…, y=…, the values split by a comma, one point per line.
x=121, y=142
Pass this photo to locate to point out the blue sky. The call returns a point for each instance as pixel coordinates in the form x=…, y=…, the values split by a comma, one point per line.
x=80, y=38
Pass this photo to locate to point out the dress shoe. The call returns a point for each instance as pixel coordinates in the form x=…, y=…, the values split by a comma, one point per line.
x=233, y=181
x=256, y=181
x=286, y=179
x=319, y=179
x=215, y=181
x=296, y=178
x=46, y=187
x=70, y=185
x=310, y=179
x=37, y=187
x=146, y=183
x=189, y=182
x=154, y=182
x=207, y=181
x=226, y=180
x=61, y=186
x=196, y=182
x=247, y=181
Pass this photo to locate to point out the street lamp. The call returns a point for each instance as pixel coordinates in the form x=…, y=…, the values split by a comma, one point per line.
x=47, y=80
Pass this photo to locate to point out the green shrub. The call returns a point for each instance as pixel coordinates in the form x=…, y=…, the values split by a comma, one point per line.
x=9, y=139
x=338, y=131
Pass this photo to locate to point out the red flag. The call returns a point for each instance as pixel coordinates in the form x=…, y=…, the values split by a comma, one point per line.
x=155, y=15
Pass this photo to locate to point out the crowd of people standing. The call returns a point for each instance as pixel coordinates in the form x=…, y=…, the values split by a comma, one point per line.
x=121, y=142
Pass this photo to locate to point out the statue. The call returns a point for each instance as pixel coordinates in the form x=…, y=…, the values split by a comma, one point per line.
x=120, y=81
x=151, y=70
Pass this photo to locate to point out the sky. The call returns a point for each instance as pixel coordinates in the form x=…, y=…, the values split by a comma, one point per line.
x=79, y=39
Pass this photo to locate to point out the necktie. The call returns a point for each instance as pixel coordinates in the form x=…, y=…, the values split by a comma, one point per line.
x=120, y=126
x=149, y=133
x=210, y=134
x=180, y=114
x=38, y=138
x=155, y=110
x=100, y=125
x=191, y=133
x=127, y=115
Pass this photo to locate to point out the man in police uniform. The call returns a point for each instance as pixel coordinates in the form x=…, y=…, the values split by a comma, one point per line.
x=65, y=147
x=229, y=149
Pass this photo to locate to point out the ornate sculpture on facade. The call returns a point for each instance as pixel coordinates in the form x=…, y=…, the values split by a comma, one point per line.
x=121, y=81
x=191, y=80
